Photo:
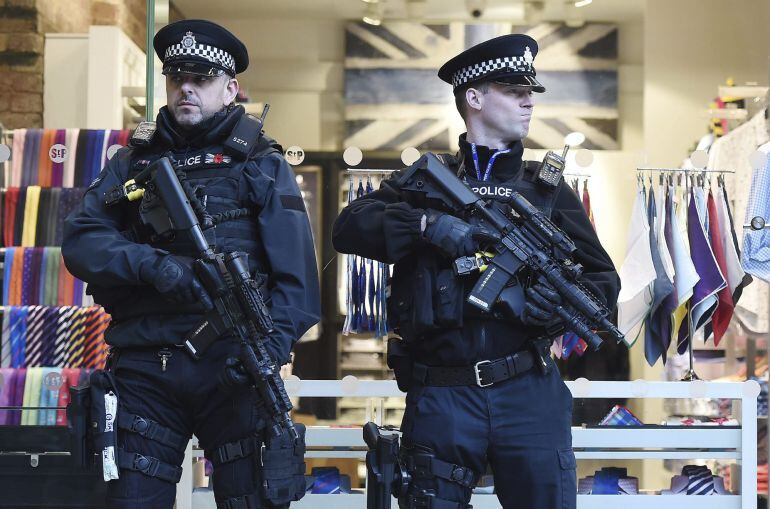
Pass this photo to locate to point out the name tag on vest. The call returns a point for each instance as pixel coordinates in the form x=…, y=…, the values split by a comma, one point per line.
x=491, y=191
x=203, y=160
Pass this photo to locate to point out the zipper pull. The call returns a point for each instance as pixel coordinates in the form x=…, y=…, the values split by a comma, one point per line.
x=164, y=355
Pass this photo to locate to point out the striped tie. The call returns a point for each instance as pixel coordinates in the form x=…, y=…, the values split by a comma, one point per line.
x=50, y=317
x=34, y=348
x=76, y=339
x=95, y=349
x=63, y=322
x=5, y=342
x=18, y=335
x=701, y=480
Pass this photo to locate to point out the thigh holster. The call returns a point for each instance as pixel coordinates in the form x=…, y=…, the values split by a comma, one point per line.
x=99, y=402
x=426, y=470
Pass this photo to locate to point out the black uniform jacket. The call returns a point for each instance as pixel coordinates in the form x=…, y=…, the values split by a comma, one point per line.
x=97, y=250
x=383, y=227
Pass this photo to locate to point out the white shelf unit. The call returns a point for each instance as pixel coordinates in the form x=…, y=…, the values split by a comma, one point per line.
x=739, y=444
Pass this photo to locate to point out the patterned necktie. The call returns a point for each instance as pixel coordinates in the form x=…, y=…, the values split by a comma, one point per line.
x=35, y=322
x=50, y=318
x=606, y=482
x=7, y=274
x=61, y=339
x=90, y=347
x=701, y=480
x=5, y=342
x=18, y=335
x=76, y=339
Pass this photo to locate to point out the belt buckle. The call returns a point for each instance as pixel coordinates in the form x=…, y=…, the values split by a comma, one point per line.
x=477, y=370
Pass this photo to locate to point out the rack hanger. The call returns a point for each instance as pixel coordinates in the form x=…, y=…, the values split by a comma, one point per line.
x=371, y=172
x=684, y=170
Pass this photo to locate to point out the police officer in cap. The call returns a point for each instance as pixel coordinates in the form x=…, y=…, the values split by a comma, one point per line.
x=477, y=391
x=147, y=285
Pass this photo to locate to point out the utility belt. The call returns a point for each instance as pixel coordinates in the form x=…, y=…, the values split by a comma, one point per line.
x=482, y=374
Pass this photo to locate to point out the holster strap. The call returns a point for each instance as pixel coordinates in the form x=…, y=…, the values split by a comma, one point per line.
x=242, y=502
x=431, y=501
x=149, y=466
x=483, y=373
x=232, y=451
x=151, y=430
x=418, y=463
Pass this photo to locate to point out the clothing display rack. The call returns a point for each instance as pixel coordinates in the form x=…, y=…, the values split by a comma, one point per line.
x=690, y=375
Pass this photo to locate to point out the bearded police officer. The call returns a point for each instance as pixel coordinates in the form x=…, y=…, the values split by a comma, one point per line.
x=147, y=285
x=475, y=395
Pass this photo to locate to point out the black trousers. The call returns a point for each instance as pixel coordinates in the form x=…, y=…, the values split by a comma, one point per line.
x=521, y=427
x=185, y=397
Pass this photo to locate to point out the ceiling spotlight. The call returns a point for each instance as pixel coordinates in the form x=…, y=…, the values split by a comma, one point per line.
x=373, y=13
x=583, y=3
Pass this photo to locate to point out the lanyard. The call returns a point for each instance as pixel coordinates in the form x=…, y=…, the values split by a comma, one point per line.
x=491, y=162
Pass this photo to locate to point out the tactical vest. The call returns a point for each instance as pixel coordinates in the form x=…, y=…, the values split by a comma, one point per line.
x=426, y=296
x=218, y=182
x=538, y=195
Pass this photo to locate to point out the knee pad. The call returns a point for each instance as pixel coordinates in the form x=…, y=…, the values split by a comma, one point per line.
x=430, y=475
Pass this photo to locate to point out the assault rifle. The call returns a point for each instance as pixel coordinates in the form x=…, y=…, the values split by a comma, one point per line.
x=239, y=308
x=529, y=241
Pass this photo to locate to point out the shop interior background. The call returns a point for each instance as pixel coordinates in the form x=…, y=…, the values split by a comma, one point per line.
x=82, y=64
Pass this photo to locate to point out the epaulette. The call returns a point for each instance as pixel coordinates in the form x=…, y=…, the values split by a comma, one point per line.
x=244, y=137
x=530, y=169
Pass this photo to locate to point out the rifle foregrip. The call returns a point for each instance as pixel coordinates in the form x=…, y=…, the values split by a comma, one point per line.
x=576, y=325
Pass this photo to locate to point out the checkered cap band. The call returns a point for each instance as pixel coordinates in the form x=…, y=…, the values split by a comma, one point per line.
x=476, y=71
x=210, y=53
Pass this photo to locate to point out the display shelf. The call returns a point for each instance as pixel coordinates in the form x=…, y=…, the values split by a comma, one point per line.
x=647, y=442
x=205, y=500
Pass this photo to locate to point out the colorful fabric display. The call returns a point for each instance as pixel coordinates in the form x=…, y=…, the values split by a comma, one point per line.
x=620, y=416
x=69, y=336
x=17, y=398
x=37, y=279
x=609, y=481
x=7, y=382
x=45, y=388
x=681, y=273
x=31, y=396
x=366, y=284
x=60, y=157
x=696, y=480
x=34, y=216
x=636, y=273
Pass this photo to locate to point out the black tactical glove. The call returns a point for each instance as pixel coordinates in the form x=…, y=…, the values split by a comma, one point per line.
x=540, y=308
x=454, y=236
x=177, y=282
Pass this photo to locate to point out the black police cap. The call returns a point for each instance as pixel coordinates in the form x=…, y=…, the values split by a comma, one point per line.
x=508, y=59
x=197, y=46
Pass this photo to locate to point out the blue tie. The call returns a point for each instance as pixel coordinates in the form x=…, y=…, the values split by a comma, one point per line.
x=701, y=480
